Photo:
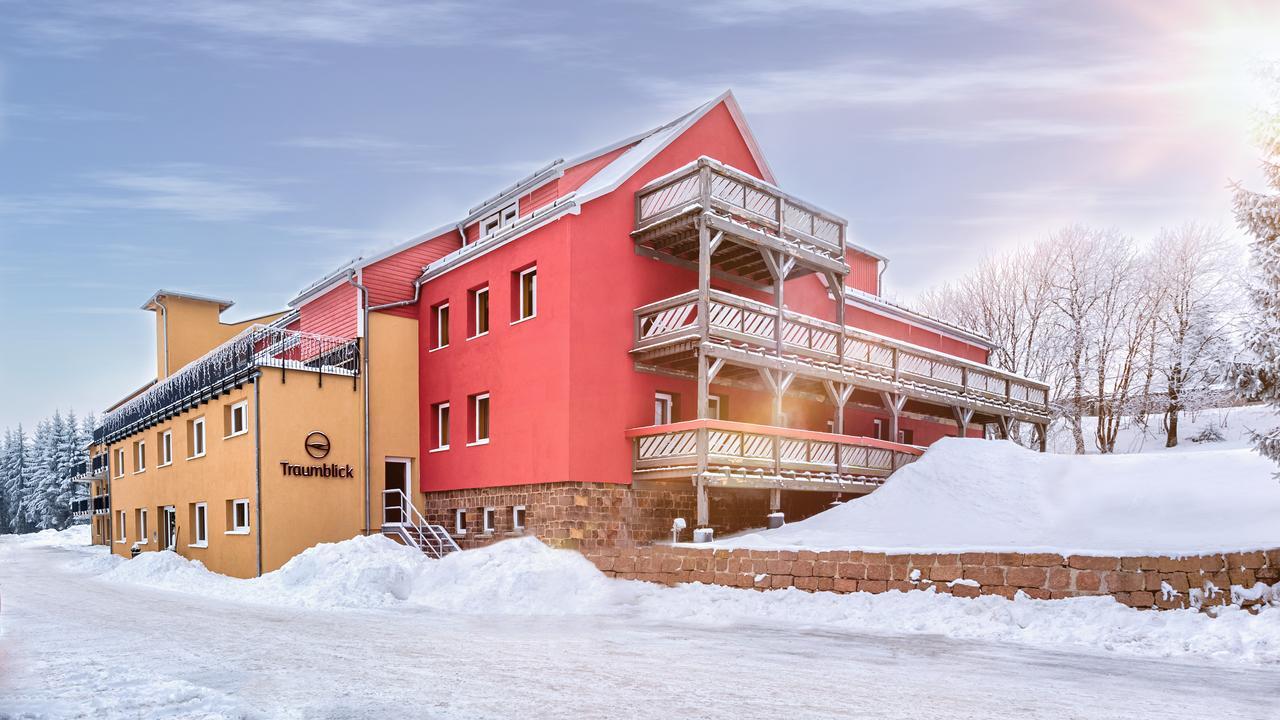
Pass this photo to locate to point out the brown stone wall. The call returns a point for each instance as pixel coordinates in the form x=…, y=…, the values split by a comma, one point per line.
x=1140, y=582
x=593, y=515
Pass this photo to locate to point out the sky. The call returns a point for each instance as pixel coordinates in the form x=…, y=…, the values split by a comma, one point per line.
x=243, y=149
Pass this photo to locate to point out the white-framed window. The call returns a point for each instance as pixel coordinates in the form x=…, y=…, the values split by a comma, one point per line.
x=441, y=320
x=120, y=462
x=140, y=456
x=479, y=312
x=713, y=407
x=122, y=527
x=460, y=521
x=195, y=438
x=441, y=419
x=200, y=525
x=490, y=518
x=238, y=517
x=526, y=290
x=663, y=408
x=878, y=426
x=479, y=419
x=143, y=536
x=238, y=422
x=166, y=448
x=491, y=224
x=517, y=518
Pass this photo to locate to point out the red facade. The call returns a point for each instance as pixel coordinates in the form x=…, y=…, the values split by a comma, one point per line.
x=562, y=386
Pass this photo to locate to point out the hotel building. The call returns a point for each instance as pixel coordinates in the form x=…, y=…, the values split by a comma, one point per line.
x=650, y=331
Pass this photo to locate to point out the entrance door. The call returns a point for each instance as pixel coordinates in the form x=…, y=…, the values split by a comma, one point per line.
x=169, y=527
x=393, y=503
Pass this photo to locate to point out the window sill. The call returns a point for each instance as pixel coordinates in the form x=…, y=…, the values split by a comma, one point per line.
x=442, y=448
x=478, y=335
x=441, y=347
x=478, y=442
x=245, y=531
x=525, y=319
x=164, y=465
x=236, y=434
x=139, y=472
x=195, y=457
x=201, y=546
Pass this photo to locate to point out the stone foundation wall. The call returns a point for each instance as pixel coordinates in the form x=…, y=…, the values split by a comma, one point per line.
x=1140, y=582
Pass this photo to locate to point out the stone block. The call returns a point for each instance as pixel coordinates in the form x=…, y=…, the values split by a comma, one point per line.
x=1121, y=581
x=1026, y=577
x=1090, y=562
x=873, y=586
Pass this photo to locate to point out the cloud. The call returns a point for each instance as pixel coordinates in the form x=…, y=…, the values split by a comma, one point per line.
x=76, y=28
x=1009, y=130
x=734, y=12
x=192, y=192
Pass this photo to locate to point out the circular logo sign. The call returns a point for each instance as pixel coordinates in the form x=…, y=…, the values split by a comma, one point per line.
x=317, y=445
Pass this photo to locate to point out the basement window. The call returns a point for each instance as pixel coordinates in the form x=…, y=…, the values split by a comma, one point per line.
x=460, y=521
x=490, y=516
x=517, y=518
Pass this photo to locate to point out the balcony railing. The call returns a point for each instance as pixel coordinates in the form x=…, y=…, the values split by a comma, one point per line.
x=739, y=320
x=228, y=365
x=750, y=455
x=83, y=507
x=87, y=469
x=744, y=199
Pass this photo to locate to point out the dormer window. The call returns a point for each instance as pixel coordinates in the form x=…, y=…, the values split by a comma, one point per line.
x=501, y=219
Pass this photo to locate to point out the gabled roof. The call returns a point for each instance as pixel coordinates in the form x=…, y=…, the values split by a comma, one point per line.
x=641, y=148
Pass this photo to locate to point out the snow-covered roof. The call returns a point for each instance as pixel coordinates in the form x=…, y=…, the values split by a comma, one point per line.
x=150, y=304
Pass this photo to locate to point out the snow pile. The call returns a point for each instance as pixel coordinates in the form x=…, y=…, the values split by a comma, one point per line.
x=1235, y=425
x=361, y=572
x=518, y=577
x=72, y=537
x=982, y=495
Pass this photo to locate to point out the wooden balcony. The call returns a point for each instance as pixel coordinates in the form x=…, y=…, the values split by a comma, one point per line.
x=743, y=334
x=743, y=455
x=748, y=215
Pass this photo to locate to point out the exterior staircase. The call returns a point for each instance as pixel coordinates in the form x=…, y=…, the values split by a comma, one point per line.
x=402, y=522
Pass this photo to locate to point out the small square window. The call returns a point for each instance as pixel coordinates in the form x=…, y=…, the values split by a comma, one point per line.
x=238, y=517
x=460, y=521
x=517, y=517
x=237, y=419
x=713, y=407
x=490, y=516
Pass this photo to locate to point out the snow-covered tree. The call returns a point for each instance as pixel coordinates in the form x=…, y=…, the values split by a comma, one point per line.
x=15, y=469
x=1258, y=213
x=1195, y=270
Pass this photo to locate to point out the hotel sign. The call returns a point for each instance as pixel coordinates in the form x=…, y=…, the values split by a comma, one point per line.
x=317, y=446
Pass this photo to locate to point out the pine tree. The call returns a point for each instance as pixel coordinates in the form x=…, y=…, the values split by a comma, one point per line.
x=17, y=473
x=4, y=482
x=40, y=478
x=1258, y=213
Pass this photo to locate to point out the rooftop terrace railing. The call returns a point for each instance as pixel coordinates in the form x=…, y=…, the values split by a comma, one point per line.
x=228, y=365
x=746, y=199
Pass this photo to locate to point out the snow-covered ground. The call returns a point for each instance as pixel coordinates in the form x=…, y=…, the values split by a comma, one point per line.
x=368, y=627
x=981, y=495
x=1234, y=423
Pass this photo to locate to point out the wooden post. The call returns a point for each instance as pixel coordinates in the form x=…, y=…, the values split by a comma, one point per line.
x=893, y=403
x=704, y=379
x=962, y=417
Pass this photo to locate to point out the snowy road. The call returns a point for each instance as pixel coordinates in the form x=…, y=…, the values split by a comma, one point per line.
x=74, y=646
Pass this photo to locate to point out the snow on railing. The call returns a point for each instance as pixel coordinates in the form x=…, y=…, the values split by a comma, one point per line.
x=743, y=320
x=743, y=198
x=230, y=363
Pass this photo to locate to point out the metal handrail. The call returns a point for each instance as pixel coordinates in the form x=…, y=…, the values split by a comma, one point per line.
x=411, y=518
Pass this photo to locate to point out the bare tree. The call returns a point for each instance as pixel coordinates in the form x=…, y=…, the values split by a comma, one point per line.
x=1198, y=279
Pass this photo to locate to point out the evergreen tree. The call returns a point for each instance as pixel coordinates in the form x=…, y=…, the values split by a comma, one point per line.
x=1258, y=213
x=41, y=477
x=4, y=482
x=17, y=472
